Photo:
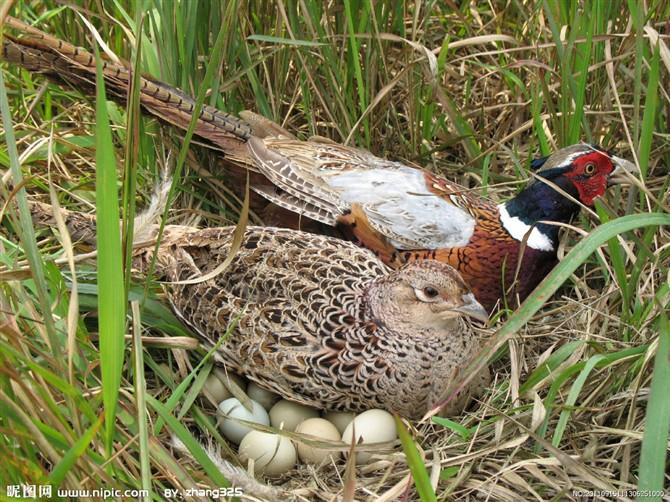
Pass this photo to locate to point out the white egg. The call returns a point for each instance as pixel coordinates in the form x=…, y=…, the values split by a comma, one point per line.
x=372, y=426
x=215, y=390
x=339, y=419
x=272, y=454
x=287, y=414
x=262, y=396
x=232, y=409
x=321, y=429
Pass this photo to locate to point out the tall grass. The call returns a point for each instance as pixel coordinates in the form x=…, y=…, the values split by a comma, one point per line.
x=470, y=91
x=111, y=294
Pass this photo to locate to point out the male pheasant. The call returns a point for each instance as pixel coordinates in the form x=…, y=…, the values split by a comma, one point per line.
x=401, y=213
x=316, y=319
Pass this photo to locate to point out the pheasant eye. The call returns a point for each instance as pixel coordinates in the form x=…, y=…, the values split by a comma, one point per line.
x=589, y=168
x=428, y=294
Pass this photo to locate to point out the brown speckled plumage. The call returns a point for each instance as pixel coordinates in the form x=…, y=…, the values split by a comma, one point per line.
x=316, y=319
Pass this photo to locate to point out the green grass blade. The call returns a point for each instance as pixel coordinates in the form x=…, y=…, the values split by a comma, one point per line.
x=61, y=470
x=636, y=10
x=548, y=366
x=583, y=58
x=462, y=431
x=111, y=305
x=191, y=443
x=285, y=41
x=195, y=389
x=355, y=62
x=572, y=397
x=618, y=261
x=140, y=396
x=130, y=165
x=649, y=115
x=536, y=109
x=559, y=378
x=415, y=464
x=655, y=438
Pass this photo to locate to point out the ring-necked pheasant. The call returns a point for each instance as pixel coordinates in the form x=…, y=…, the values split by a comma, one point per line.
x=401, y=213
x=316, y=319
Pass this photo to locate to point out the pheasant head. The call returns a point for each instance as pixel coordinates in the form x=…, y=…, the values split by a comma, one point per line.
x=574, y=175
x=425, y=295
x=583, y=171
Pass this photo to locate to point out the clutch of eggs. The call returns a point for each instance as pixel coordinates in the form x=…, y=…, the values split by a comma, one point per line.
x=275, y=454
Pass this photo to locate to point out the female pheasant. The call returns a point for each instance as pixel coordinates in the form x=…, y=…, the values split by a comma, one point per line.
x=401, y=213
x=314, y=318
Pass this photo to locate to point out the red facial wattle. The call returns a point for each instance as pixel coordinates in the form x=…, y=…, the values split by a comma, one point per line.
x=589, y=175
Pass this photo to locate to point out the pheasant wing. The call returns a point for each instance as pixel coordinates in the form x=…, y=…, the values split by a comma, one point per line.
x=324, y=181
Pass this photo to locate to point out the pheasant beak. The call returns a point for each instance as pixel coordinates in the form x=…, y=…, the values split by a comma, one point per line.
x=623, y=171
x=472, y=308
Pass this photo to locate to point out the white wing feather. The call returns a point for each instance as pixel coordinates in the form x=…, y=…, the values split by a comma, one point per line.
x=398, y=204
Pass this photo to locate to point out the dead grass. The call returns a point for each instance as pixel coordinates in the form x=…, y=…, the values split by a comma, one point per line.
x=567, y=410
